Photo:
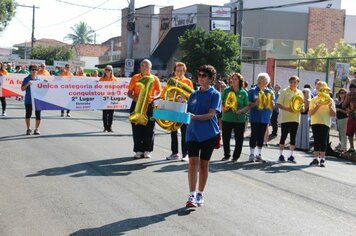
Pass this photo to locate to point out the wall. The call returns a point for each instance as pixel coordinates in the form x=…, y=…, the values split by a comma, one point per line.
x=350, y=32
x=325, y=26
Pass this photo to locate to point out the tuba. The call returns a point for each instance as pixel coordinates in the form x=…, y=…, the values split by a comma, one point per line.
x=323, y=96
x=177, y=92
x=296, y=103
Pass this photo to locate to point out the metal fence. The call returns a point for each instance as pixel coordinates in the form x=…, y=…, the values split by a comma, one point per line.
x=334, y=71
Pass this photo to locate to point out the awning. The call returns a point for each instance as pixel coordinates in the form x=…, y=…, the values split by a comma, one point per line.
x=167, y=47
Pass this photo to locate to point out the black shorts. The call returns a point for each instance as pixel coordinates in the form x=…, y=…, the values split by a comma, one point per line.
x=205, y=148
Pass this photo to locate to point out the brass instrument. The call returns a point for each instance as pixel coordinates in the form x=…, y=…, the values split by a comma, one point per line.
x=296, y=103
x=176, y=92
x=323, y=96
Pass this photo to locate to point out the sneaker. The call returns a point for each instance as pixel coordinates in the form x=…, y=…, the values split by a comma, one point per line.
x=259, y=159
x=3, y=113
x=62, y=114
x=68, y=115
x=28, y=132
x=36, y=132
x=251, y=158
x=234, y=159
x=281, y=158
x=138, y=155
x=199, y=199
x=291, y=159
x=110, y=130
x=322, y=163
x=191, y=202
x=225, y=158
x=147, y=155
x=105, y=130
x=185, y=158
x=173, y=157
x=315, y=162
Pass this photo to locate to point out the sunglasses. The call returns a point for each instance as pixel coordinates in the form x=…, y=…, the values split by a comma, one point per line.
x=202, y=75
x=34, y=70
x=342, y=92
x=107, y=70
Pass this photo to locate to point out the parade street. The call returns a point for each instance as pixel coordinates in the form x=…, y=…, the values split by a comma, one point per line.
x=74, y=179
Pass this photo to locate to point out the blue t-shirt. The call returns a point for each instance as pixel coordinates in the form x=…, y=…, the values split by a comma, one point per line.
x=199, y=103
x=256, y=115
x=28, y=89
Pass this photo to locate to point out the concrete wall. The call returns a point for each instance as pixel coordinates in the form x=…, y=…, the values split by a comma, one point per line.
x=350, y=29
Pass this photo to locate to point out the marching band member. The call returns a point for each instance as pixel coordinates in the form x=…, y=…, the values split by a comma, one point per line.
x=108, y=114
x=261, y=104
x=289, y=117
x=26, y=84
x=321, y=110
x=179, y=70
x=234, y=115
x=143, y=135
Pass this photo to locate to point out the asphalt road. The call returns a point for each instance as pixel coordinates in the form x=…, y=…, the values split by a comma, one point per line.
x=74, y=179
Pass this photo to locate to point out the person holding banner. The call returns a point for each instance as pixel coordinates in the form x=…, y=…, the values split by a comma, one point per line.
x=42, y=70
x=179, y=70
x=66, y=72
x=3, y=72
x=108, y=114
x=202, y=133
x=26, y=84
x=235, y=104
x=143, y=134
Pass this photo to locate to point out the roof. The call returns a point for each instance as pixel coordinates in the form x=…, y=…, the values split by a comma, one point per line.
x=167, y=47
x=90, y=50
x=45, y=42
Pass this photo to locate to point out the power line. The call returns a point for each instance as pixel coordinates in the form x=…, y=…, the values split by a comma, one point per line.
x=86, y=6
x=63, y=22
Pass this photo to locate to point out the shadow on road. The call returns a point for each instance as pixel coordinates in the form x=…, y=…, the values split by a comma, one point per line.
x=109, y=167
x=124, y=226
x=268, y=167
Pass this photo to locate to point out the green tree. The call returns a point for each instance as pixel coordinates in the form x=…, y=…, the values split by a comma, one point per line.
x=50, y=54
x=7, y=11
x=216, y=48
x=341, y=49
x=82, y=33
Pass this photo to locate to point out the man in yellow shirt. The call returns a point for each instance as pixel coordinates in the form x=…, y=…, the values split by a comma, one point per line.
x=289, y=119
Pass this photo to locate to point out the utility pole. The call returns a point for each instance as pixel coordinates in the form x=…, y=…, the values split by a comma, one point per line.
x=130, y=29
x=33, y=24
x=240, y=26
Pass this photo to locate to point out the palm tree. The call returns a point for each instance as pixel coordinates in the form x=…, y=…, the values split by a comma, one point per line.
x=82, y=33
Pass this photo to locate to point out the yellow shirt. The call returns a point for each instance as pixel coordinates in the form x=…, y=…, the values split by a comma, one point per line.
x=284, y=99
x=322, y=115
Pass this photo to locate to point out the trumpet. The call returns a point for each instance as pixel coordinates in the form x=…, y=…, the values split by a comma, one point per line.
x=296, y=103
x=177, y=92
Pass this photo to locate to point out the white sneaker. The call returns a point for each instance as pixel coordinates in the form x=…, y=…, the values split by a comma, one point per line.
x=259, y=159
x=251, y=158
x=138, y=155
x=147, y=155
x=173, y=157
x=68, y=115
x=4, y=114
x=185, y=158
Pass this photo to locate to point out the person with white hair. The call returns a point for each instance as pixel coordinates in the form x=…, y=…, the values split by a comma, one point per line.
x=143, y=135
x=261, y=104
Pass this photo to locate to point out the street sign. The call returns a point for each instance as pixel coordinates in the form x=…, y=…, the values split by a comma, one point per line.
x=129, y=65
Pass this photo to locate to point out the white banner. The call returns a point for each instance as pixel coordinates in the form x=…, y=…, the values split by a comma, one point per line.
x=80, y=95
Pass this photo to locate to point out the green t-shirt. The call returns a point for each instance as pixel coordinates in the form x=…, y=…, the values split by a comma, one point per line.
x=242, y=101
